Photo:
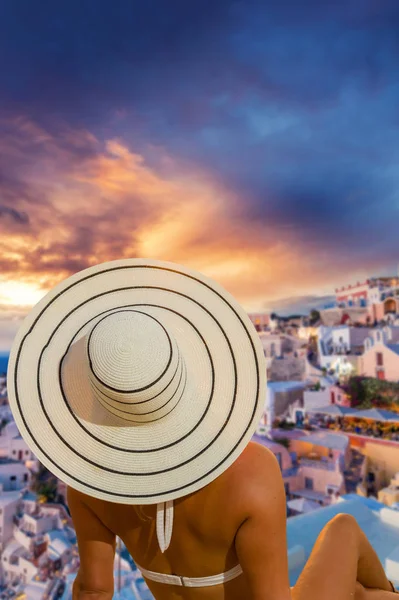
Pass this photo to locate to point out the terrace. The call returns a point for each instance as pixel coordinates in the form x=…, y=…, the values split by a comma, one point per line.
x=374, y=423
x=317, y=462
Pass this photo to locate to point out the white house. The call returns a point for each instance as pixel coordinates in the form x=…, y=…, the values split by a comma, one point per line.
x=59, y=548
x=13, y=474
x=272, y=346
x=339, y=348
x=381, y=354
x=16, y=563
x=9, y=503
x=280, y=396
x=19, y=450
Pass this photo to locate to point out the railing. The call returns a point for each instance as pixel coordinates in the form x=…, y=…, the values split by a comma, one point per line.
x=317, y=464
x=290, y=472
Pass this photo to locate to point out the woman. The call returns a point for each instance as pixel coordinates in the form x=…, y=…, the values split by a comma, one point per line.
x=140, y=383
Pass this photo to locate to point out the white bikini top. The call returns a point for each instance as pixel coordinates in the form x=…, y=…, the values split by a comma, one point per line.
x=164, y=535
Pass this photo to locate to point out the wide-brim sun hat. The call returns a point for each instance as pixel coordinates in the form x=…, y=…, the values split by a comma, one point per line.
x=137, y=381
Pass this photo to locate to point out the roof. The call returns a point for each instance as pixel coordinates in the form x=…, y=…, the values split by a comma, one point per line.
x=284, y=386
x=8, y=497
x=333, y=441
x=376, y=414
x=30, y=496
x=35, y=590
x=5, y=460
x=394, y=348
x=58, y=541
x=303, y=529
x=308, y=494
x=371, y=502
x=303, y=505
x=12, y=547
x=267, y=442
x=332, y=409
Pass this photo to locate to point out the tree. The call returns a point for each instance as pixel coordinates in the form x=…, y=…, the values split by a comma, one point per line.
x=286, y=442
x=367, y=392
x=48, y=490
x=314, y=316
x=45, y=484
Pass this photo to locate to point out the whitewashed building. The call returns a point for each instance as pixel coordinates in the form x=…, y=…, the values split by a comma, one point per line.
x=9, y=503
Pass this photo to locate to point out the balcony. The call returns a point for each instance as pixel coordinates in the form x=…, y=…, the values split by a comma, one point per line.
x=316, y=463
x=290, y=472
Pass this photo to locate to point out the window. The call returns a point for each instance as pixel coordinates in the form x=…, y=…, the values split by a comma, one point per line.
x=332, y=397
x=380, y=359
x=308, y=483
x=13, y=478
x=26, y=452
x=25, y=476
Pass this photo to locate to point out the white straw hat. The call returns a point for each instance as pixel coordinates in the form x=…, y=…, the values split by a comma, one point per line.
x=137, y=381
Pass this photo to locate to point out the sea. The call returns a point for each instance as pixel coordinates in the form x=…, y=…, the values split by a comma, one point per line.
x=4, y=356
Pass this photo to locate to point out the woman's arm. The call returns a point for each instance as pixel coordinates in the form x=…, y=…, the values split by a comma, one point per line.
x=261, y=542
x=76, y=587
x=96, y=543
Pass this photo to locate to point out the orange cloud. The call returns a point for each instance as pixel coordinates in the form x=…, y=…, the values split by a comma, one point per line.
x=72, y=201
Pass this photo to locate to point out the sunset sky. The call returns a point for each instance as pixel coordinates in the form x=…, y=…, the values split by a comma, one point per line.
x=254, y=141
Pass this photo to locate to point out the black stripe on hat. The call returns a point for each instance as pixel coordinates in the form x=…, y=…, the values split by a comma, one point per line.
x=179, y=360
x=157, y=409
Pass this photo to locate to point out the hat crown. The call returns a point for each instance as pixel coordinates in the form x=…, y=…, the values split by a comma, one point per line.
x=128, y=350
x=135, y=365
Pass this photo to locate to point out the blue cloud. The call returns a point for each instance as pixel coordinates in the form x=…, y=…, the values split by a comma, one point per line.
x=293, y=104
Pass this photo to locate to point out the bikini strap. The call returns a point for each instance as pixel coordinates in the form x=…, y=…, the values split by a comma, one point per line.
x=164, y=524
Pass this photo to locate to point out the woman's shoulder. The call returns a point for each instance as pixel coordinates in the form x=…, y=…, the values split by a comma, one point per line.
x=255, y=458
x=254, y=470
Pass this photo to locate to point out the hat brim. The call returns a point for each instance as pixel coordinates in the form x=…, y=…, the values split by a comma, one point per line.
x=98, y=452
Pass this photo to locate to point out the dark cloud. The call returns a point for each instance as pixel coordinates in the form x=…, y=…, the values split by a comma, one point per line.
x=17, y=216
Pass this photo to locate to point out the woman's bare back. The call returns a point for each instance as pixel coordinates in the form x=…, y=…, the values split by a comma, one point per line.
x=204, y=528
